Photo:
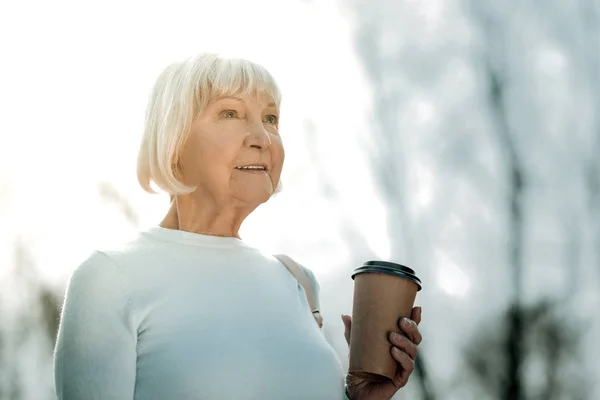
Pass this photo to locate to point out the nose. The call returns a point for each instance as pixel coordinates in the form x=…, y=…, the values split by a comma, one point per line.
x=258, y=137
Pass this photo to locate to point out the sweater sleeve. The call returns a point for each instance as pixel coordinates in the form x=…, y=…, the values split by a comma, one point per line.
x=95, y=353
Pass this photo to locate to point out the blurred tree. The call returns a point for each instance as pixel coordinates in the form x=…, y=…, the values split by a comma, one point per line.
x=496, y=69
x=36, y=306
x=387, y=156
x=383, y=55
x=550, y=351
x=50, y=302
x=498, y=357
x=111, y=195
x=590, y=17
x=36, y=316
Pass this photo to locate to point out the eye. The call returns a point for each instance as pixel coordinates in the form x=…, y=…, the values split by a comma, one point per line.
x=229, y=114
x=271, y=119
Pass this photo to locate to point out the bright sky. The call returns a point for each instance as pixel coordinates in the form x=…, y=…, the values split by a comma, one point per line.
x=75, y=88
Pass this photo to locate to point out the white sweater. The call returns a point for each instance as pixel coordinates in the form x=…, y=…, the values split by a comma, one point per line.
x=179, y=315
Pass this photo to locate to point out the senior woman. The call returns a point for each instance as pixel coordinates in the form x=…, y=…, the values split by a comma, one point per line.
x=188, y=310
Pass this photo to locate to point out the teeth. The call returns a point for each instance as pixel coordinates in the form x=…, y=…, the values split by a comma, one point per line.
x=252, y=167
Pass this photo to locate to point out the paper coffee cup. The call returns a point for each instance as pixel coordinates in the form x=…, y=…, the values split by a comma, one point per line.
x=383, y=293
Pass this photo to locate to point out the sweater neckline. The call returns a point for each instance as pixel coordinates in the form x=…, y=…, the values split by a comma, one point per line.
x=196, y=239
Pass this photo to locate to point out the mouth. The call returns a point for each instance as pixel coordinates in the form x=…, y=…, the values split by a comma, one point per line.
x=252, y=168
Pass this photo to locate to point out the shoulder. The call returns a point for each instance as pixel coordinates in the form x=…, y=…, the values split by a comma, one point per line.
x=96, y=289
x=96, y=273
x=96, y=265
x=130, y=255
x=108, y=271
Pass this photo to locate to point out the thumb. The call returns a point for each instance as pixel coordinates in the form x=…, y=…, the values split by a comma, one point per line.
x=347, y=327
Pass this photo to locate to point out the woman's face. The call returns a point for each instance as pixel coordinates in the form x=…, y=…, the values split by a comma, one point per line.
x=234, y=150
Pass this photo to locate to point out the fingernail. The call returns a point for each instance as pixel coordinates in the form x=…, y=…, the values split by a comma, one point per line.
x=397, y=350
x=395, y=336
x=420, y=310
x=406, y=322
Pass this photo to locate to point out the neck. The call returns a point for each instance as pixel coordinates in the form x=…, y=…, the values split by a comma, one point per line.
x=204, y=216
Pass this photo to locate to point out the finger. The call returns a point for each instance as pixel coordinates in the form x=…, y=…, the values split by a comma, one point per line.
x=415, y=315
x=407, y=366
x=347, y=327
x=411, y=330
x=404, y=344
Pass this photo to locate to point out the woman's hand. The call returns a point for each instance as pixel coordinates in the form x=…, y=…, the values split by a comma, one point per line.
x=404, y=351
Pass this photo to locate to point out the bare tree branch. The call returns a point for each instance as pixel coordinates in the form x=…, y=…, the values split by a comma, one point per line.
x=496, y=70
x=590, y=17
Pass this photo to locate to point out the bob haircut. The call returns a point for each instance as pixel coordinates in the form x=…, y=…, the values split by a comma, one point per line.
x=182, y=91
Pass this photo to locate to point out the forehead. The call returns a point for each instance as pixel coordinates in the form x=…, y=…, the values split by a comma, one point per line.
x=260, y=99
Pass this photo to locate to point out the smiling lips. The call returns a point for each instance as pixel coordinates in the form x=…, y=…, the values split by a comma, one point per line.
x=252, y=168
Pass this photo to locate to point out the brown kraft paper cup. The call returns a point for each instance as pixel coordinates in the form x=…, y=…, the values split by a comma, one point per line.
x=383, y=293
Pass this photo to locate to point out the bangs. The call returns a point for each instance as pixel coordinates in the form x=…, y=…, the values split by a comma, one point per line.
x=235, y=77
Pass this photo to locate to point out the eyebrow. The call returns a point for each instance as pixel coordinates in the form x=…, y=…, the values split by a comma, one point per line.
x=228, y=98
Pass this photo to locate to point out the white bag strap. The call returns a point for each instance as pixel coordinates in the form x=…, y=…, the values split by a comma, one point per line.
x=298, y=272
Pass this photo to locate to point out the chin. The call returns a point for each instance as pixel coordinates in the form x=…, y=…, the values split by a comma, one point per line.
x=266, y=196
x=257, y=197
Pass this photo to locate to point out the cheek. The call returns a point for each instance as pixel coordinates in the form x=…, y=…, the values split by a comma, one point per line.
x=278, y=155
x=208, y=160
x=222, y=146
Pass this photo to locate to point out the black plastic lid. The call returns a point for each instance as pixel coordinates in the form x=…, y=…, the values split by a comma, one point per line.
x=389, y=268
